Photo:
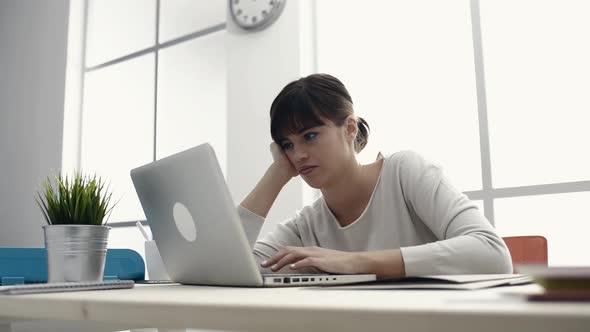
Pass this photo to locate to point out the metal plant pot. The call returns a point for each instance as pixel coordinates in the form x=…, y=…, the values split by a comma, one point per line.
x=75, y=252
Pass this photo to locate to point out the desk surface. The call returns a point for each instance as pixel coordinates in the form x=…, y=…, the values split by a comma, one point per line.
x=180, y=306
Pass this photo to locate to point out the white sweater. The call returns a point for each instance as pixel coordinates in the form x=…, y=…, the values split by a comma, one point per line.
x=413, y=208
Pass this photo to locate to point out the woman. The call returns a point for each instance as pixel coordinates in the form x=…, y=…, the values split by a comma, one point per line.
x=396, y=217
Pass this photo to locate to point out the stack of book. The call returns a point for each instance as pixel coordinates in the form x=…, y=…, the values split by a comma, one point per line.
x=559, y=283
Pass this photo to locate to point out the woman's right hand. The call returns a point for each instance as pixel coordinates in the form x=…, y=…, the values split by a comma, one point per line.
x=281, y=164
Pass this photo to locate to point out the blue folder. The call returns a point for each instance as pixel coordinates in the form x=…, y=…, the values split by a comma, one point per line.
x=29, y=265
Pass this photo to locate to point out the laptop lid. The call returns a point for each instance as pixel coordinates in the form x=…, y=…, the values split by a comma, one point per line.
x=194, y=221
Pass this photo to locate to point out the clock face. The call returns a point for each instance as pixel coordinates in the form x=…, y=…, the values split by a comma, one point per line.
x=255, y=14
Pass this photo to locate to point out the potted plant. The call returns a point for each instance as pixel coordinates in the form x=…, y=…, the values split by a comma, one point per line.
x=76, y=210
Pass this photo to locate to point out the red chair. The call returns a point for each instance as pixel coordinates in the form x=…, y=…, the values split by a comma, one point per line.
x=527, y=249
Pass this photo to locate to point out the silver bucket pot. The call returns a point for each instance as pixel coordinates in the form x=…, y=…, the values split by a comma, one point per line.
x=75, y=252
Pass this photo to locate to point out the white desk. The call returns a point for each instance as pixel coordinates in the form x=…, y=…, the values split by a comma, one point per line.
x=303, y=309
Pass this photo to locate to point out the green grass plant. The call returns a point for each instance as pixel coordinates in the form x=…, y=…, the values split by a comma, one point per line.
x=76, y=200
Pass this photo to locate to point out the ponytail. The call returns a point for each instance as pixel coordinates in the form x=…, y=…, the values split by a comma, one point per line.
x=362, y=136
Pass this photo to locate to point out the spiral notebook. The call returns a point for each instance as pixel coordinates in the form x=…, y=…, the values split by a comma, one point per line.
x=59, y=287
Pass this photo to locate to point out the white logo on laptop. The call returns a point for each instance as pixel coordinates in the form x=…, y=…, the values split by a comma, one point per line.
x=184, y=222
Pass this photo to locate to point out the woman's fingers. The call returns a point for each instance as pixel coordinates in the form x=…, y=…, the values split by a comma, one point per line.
x=274, y=259
x=280, y=254
x=286, y=255
x=280, y=158
x=290, y=258
x=325, y=260
x=276, y=151
x=306, y=262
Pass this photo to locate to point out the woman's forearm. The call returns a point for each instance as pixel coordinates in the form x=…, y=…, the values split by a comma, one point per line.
x=262, y=197
x=385, y=264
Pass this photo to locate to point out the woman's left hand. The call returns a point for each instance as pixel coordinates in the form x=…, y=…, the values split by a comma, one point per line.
x=326, y=260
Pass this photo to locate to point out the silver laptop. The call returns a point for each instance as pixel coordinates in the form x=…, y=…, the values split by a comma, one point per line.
x=197, y=228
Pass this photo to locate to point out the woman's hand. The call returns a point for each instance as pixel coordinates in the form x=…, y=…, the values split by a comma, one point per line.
x=262, y=197
x=282, y=164
x=326, y=260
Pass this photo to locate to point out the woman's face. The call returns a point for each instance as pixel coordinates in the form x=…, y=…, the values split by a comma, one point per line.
x=319, y=153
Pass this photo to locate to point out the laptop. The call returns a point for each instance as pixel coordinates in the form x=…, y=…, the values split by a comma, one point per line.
x=197, y=229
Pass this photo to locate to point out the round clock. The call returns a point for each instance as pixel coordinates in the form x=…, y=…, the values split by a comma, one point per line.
x=254, y=15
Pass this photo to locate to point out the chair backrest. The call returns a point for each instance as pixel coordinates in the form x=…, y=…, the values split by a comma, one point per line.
x=527, y=249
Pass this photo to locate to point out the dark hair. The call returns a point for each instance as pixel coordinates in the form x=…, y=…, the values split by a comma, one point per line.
x=304, y=103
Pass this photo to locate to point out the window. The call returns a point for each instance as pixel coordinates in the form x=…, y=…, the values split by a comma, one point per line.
x=190, y=110
x=118, y=127
x=520, y=152
x=118, y=28
x=179, y=18
x=561, y=218
x=537, y=82
x=412, y=80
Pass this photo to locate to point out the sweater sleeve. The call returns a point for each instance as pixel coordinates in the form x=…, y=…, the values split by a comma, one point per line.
x=468, y=244
x=284, y=234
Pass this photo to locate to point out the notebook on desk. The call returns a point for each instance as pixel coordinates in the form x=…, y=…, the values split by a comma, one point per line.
x=59, y=287
x=456, y=282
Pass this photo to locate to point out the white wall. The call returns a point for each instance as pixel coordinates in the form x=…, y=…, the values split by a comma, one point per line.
x=33, y=42
x=259, y=64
